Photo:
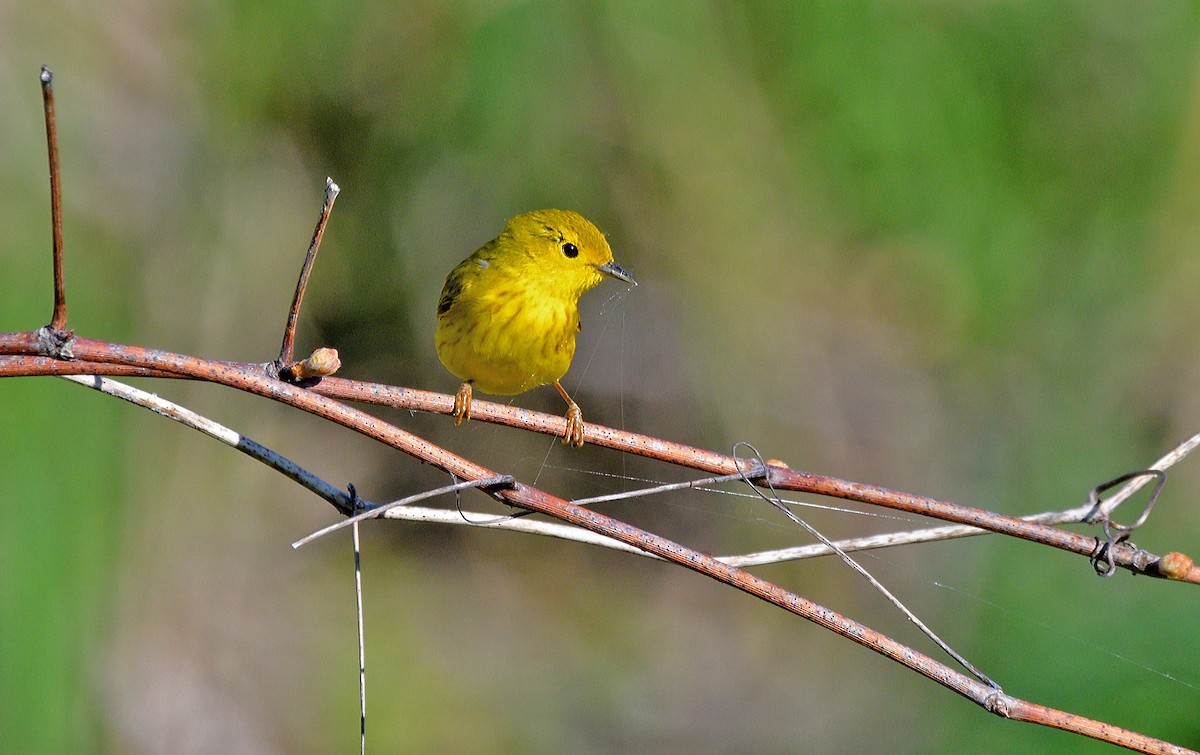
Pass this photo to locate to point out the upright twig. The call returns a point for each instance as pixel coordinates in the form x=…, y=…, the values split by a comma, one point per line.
x=289, y=331
x=58, y=321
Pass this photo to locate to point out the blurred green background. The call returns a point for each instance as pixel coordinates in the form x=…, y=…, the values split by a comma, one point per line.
x=946, y=248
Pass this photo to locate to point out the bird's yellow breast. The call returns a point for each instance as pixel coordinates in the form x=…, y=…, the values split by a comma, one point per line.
x=503, y=333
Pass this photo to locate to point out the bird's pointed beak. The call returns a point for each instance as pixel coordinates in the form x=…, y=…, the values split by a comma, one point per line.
x=615, y=270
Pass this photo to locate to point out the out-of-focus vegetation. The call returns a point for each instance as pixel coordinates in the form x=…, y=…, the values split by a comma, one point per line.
x=948, y=248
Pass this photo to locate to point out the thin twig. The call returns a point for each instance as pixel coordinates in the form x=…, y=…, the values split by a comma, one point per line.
x=340, y=498
x=419, y=400
x=376, y=511
x=513, y=524
x=58, y=321
x=873, y=542
x=362, y=645
x=773, y=499
x=14, y=366
x=289, y=331
x=665, y=487
x=657, y=489
x=170, y=410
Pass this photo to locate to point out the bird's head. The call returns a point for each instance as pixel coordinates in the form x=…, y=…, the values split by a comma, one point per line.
x=565, y=250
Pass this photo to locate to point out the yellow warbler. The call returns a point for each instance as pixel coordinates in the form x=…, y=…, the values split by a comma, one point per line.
x=509, y=313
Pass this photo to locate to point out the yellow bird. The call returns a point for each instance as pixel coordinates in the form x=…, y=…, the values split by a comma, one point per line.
x=508, y=314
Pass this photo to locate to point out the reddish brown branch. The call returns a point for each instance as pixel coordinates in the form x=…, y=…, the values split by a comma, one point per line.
x=1173, y=566
x=781, y=477
x=28, y=366
x=250, y=378
x=1023, y=710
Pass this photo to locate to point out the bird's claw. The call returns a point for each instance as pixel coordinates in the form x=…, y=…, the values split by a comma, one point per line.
x=462, y=404
x=574, y=434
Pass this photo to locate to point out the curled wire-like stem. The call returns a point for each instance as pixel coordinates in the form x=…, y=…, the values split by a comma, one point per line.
x=1114, y=533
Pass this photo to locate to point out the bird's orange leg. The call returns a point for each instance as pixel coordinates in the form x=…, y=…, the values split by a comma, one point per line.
x=574, y=434
x=462, y=404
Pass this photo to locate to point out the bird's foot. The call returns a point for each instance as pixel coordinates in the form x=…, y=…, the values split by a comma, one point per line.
x=462, y=404
x=574, y=434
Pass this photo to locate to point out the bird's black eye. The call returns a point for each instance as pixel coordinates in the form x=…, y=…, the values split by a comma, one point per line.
x=570, y=250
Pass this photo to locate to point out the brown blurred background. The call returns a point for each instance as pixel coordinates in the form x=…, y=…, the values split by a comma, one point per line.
x=946, y=248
